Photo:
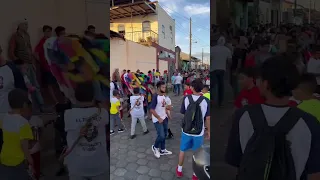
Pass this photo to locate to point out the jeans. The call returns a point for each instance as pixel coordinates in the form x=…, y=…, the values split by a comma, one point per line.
x=234, y=85
x=218, y=85
x=14, y=172
x=115, y=118
x=162, y=132
x=36, y=95
x=177, y=89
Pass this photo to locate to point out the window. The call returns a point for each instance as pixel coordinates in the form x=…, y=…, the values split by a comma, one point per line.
x=146, y=26
x=171, y=34
x=121, y=29
x=163, y=32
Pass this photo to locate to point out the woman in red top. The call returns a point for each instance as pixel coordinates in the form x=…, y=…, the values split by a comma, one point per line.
x=250, y=59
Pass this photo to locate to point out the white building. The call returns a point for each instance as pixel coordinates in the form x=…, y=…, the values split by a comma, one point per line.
x=146, y=22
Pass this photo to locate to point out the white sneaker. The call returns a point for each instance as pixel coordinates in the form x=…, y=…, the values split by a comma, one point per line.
x=155, y=151
x=165, y=152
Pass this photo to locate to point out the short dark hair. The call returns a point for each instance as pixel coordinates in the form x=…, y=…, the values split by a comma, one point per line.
x=187, y=83
x=197, y=85
x=115, y=93
x=249, y=72
x=206, y=87
x=46, y=27
x=160, y=83
x=136, y=90
x=91, y=27
x=281, y=74
x=308, y=83
x=84, y=92
x=59, y=29
x=18, y=98
x=128, y=71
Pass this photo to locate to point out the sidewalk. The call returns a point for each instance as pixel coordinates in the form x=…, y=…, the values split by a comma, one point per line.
x=133, y=159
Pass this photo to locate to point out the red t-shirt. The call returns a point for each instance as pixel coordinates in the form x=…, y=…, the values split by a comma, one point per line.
x=250, y=61
x=249, y=96
x=187, y=92
x=42, y=59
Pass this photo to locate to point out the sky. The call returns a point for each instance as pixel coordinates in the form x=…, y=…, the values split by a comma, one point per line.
x=199, y=11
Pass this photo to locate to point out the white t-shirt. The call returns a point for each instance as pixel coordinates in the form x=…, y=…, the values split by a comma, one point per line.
x=313, y=67
x=220, y=55
x=205, y=109
x=112, y=88
x=90, y=156
x=159, y=103
x=137, y=110
x=36, y=124
x=6, y=85
x=178, y=80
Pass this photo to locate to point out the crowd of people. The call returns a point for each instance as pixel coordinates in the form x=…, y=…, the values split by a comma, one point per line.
x=22, y=106
x=148, y=97
x=275, y=76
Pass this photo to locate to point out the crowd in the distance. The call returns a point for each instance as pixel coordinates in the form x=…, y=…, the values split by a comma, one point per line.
x=275, y=76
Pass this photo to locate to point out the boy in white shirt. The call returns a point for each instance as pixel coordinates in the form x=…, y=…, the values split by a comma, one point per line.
x=137, y=112
x=85, y=125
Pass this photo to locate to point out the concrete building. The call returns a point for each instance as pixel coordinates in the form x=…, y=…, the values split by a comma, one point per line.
x=75, y=15
x=126, y=54
x=147, y=23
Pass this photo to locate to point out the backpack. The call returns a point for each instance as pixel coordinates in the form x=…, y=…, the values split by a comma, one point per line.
x=267, y=155
x=192, y=122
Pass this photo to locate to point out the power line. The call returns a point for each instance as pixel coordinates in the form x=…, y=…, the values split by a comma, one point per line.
x=177, y=14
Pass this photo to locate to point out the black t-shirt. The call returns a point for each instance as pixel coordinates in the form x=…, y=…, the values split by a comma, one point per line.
x=238, y=55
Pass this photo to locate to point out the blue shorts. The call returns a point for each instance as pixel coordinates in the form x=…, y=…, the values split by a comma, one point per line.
x=190, y=142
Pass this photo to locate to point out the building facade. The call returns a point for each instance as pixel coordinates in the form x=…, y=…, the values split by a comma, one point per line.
x=147, y=23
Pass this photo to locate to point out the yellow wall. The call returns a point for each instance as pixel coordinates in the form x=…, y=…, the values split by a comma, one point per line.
x=135, y=25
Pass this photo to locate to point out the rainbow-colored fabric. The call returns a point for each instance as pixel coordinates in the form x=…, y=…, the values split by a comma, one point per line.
x=75, y=59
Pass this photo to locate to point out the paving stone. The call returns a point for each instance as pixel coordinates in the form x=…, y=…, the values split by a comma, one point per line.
x=143, y=169
x=120, y=172
x=132, y=153
x=132, y=159
x=167, y=175
x=141, y=155
x=141, y=149
x=132, y=167
x=132, y=175
x=153, y=164
x=112, y=168
x=155, y=173
x=121, y=164
x=142, y=162
x=118, y=178
x=143, y=177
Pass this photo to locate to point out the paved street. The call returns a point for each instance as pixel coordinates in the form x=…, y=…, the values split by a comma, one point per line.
x=134, y=159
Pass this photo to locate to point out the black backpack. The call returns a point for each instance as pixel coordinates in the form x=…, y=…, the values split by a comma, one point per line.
x=267, y=155
x=192, y=122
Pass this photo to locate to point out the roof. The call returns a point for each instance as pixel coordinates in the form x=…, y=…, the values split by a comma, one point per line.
x=186, y=57
x=114, y=34
x=127, y=8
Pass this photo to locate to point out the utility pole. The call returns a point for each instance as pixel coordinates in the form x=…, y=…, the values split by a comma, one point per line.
x=190, y=43
x=202, y=59
x=310, y=6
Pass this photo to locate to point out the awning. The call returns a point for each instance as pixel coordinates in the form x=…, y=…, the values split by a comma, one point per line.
x=128, y=8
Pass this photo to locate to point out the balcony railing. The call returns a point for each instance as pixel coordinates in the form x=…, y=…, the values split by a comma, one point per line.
x=142, y=36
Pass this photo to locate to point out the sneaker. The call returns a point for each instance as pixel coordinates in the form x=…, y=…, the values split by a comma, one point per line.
x=155, y=151
x=111, y=132
x=132, y=136
x=194, y=177
x=165, y=152
x=144, y=133
x=178, y=174
x=120, y=130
